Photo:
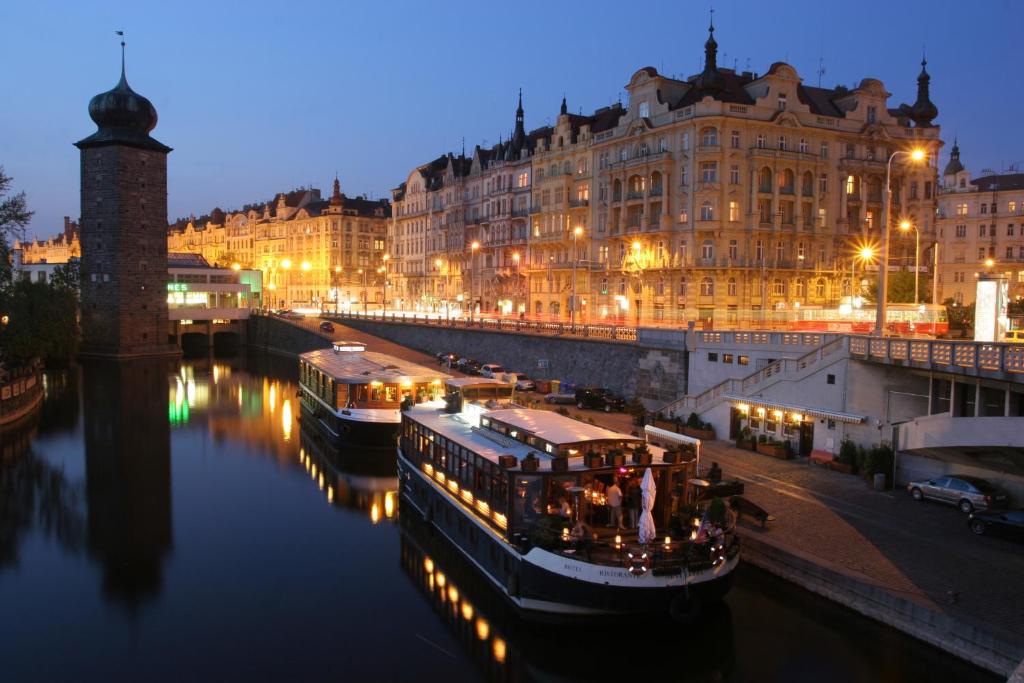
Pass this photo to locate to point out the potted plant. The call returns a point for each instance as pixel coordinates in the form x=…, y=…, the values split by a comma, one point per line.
x=641, y=455
x=846, y=459
x=698, y=429
x=745, y=439
x=615, y=458
x=592, y=459
x=671, y=456
x=774, y=448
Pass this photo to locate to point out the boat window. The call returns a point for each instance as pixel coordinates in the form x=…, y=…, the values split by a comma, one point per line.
x=527, y=505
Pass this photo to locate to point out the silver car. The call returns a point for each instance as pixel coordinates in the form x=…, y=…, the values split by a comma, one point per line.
x=967, y=493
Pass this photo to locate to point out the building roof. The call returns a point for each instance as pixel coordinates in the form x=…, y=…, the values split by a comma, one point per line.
x=122, y=117
x=555, y=428
x=1003, y=181
x=362, y=367
x=186, y=260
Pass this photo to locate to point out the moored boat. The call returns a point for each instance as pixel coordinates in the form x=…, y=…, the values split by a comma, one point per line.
x=528, y=497
x=356, y=395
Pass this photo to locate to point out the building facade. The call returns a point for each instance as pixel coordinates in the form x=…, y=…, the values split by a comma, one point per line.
x=980, y=229
x=717, y=198
x=313, y=252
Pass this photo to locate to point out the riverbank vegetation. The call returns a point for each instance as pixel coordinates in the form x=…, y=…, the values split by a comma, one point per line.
x=37, y=319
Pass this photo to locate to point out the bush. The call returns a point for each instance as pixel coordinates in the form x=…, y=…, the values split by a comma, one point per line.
x=876, y=460
x=745, y=434
x=763, y=438
x=563, y=411
x=847, y=452
x=693, y=421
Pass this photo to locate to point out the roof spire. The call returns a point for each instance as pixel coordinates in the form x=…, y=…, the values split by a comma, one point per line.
x=565, y=109
x=923, y=110
x=710, y=81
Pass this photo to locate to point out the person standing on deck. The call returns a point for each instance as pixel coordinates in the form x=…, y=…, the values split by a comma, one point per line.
x=614, y=494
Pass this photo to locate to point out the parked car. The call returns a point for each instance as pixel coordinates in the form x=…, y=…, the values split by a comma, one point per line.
x=326, y=327
x=445, y=358
x=491, y=370
x=560, y=397
x=468, y=366
x=1002, y=522
x=967, y=493
x=295, y=315
x=524, y=383
x=599, y=399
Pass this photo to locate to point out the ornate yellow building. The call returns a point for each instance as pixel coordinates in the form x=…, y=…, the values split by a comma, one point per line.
x=714, y=198
x=314, y=252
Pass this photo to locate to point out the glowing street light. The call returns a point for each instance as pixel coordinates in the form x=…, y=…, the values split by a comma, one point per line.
x=906, y=226
x=306, y=265
x=577, y=232
x=286, y=264
x=989, y=262
x=236, y=266
x=917, y=155
x=473, y=248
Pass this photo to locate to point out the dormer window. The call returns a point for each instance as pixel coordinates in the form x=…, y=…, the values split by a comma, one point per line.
x=872, y=114
x=782, y=101
x=645, y=110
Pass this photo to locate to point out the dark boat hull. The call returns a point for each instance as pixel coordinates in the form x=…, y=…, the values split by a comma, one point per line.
x=538, y=590
x=348, y=432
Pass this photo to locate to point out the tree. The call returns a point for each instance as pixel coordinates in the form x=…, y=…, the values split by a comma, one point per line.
x=960, y=317
x=900, y=289
x=14, y=213
x=67, y=277
x=42, y=322
x=14, y=216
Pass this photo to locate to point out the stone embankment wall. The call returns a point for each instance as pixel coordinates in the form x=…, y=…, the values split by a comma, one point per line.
x=281, y=336
x=655, y=375
x=987, y=650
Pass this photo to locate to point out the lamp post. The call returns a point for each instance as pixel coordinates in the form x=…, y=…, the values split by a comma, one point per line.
x=286, y=265
x=576, y=232
x=385, y=259
x=915, y=155
x=515, y=260
x=639, y=279
x=473, y=248
x=337, y=272
x=362, y=273
x=906, y=225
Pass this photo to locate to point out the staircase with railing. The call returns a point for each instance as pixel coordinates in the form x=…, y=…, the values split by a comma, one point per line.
x=784, y=369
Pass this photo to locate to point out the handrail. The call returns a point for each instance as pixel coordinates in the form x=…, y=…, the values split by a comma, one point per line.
x=976, y=356
x=744, y=385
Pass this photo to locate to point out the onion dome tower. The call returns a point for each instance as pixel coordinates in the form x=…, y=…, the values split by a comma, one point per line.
x=124, y=229
x=710, y=81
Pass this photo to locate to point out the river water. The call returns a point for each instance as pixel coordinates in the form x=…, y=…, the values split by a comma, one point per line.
x=171, y=522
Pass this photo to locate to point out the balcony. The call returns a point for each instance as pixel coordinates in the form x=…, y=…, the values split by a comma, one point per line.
x=520, y=213
x=642, y=159
x=765, y=188
x=578, y=203
x=634, y=195
x=709, y=149
x=767, y=153
x=655, y=192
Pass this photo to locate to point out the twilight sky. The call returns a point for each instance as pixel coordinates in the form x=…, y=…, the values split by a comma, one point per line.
x=260, y=97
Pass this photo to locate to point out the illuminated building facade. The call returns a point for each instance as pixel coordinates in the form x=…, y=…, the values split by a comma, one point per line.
x=313, y=252
x=703, y=197
x=981, y=230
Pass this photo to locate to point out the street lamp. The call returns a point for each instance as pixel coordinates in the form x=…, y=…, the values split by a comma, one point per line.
x=576, y=232
x=385, y=258
x=916, y=155
x=363, y=274
x=515, y=260
x=905, y=226
x=640, y=280
x=473, y=248
x=337, y=272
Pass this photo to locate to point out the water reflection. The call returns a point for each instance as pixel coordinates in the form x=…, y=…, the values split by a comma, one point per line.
x=128, y=475
x=361, y=480
x=34, y=497
x=504, y=647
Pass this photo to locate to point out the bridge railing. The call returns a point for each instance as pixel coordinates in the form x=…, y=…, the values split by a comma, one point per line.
x=965, y=355
x=587, y=330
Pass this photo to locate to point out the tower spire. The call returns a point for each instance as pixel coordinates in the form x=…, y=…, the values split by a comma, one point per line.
x=565, y=109
x=121, y=33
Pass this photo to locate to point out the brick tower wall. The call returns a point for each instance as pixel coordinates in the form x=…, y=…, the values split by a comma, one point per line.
x=124, y=250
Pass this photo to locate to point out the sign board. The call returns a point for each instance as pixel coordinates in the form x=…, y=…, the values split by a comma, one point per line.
x=177, y=286
x=543, y=363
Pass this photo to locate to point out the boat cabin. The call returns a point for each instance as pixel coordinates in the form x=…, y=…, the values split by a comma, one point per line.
x=348, y=377
x=522, y=467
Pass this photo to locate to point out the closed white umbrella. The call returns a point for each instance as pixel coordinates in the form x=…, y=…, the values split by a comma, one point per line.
x=647, y=531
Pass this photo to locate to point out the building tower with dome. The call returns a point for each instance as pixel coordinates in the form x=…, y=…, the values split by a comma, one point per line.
x=123, y=229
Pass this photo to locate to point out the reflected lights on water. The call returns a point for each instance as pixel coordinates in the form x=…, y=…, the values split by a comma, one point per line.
x=286, y=418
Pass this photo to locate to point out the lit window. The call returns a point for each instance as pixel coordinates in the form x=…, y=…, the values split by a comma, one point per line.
x=707, y=287
x=734, y=211
x=645, y=109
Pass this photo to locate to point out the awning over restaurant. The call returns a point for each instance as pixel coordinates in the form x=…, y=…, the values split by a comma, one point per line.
x=768, y=404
